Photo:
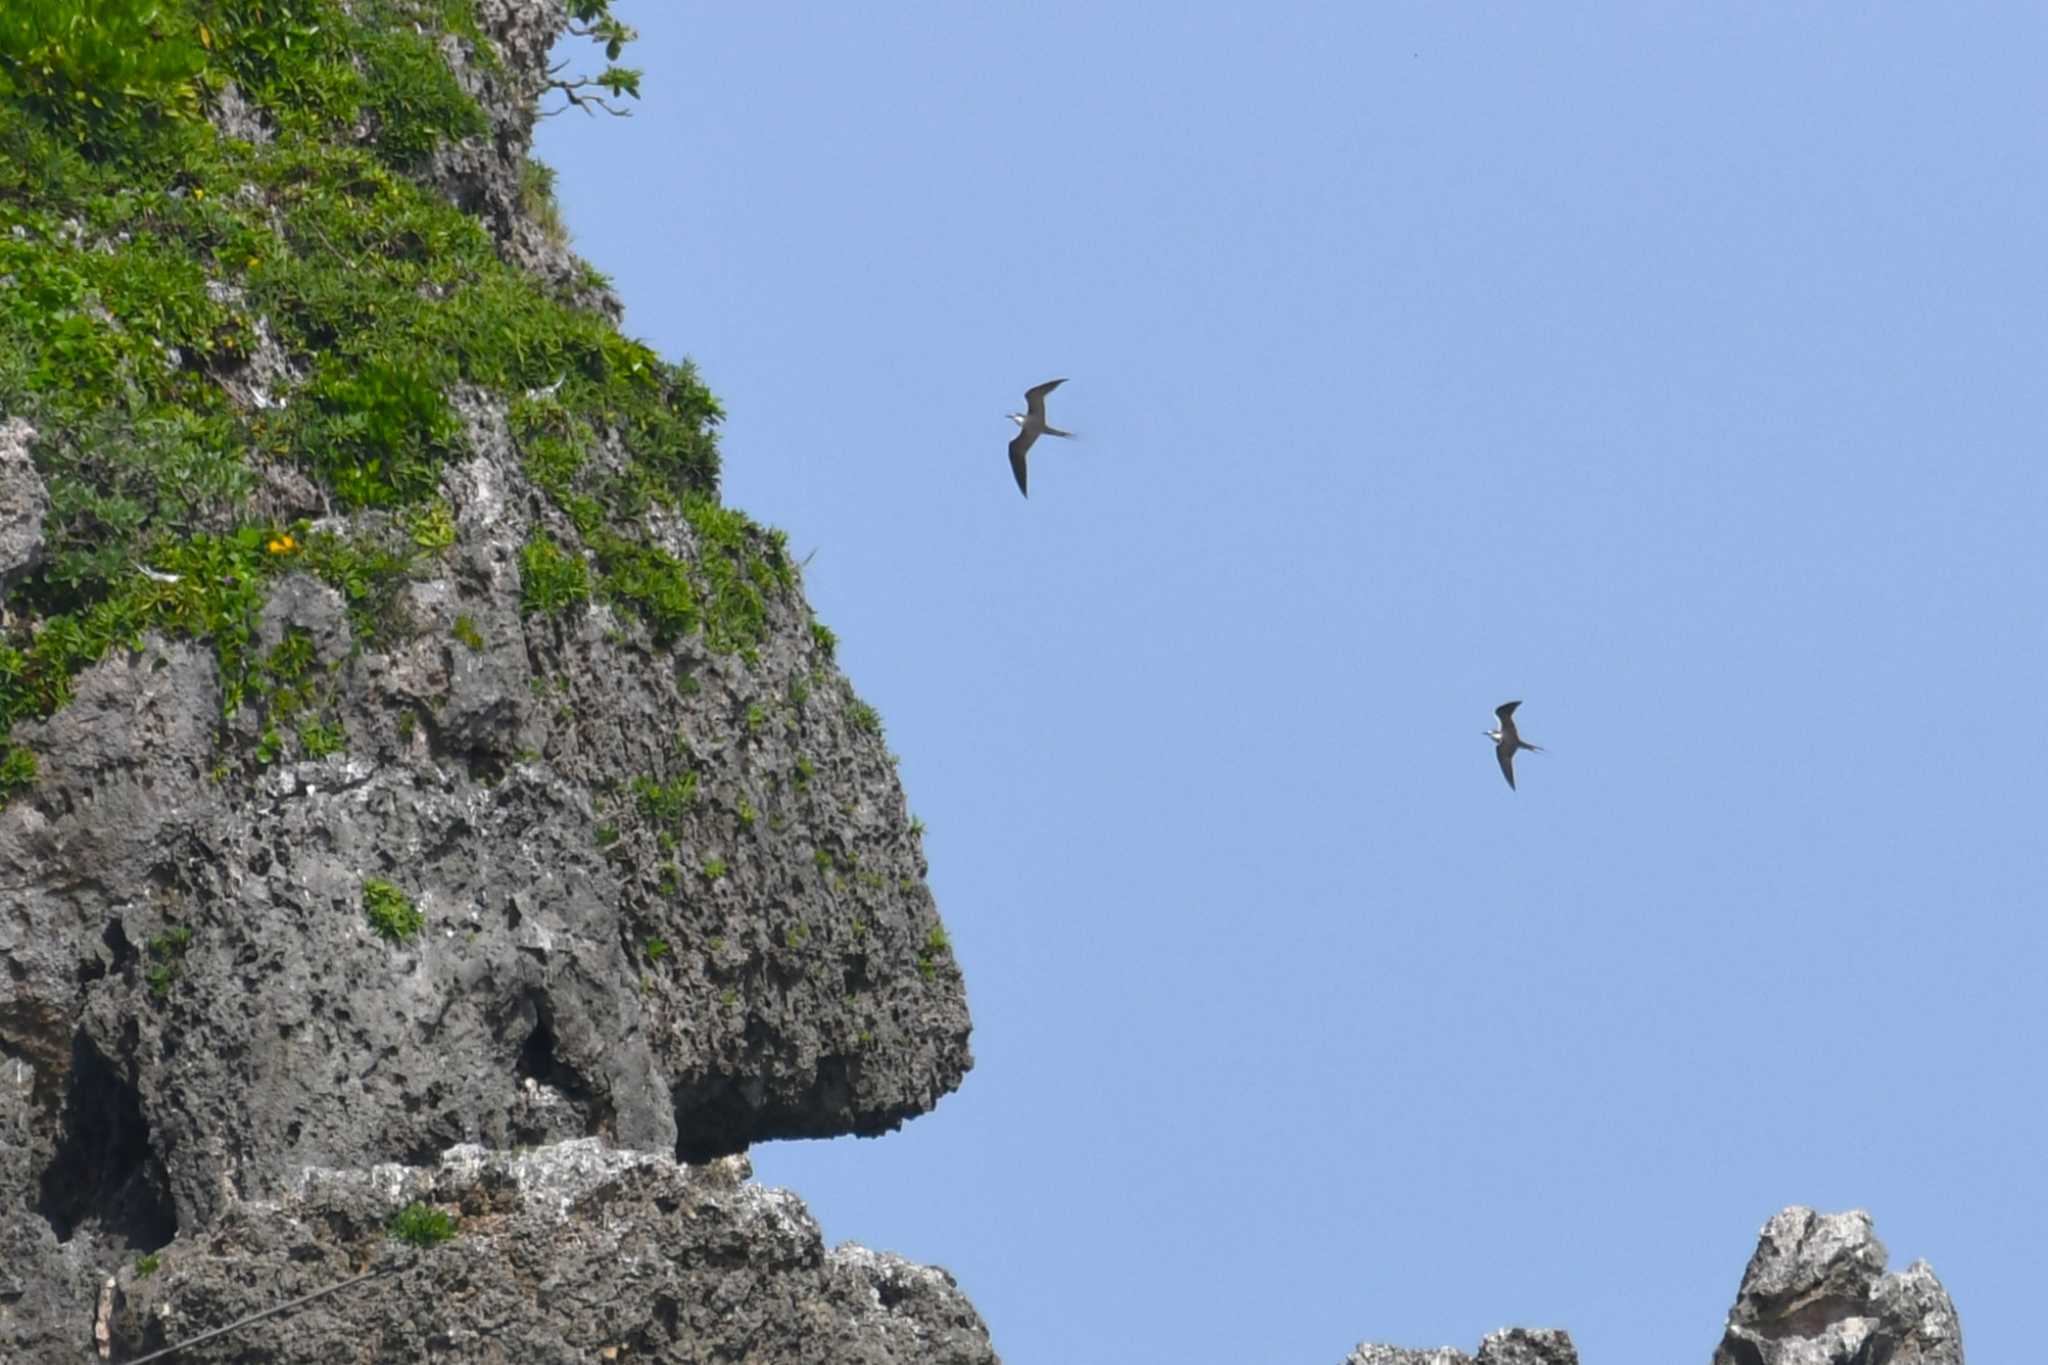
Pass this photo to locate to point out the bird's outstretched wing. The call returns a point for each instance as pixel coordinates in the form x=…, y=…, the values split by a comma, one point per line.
x=1034, y=398
x=1020, y=444
x=1506, y=754
x=1506, y=710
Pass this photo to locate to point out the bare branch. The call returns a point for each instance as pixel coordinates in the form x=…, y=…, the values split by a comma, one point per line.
x=589, y=104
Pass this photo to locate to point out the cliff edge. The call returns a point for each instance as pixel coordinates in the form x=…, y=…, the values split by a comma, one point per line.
x=405, y=750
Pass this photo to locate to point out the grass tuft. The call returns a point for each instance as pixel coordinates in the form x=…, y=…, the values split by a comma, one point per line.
x=420, y=1226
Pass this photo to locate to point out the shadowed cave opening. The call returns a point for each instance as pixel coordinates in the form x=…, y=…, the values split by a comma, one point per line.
x=539, y=1061
x=718, y=1114
x=105, y=1176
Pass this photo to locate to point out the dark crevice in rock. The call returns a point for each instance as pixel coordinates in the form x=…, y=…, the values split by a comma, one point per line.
x=714, y=1117
x=1736, y=1351
x=485, y=768
x=540, y=1061
x=91, y=969
x=719, y=1115
x=105, y=1175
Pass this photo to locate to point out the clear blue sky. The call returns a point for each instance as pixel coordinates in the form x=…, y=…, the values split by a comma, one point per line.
x=1678, y=369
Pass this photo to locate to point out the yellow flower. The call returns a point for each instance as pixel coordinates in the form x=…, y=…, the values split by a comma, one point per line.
x=282, y=544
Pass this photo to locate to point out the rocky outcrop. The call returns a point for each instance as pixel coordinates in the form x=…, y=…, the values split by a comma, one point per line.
x=23, y=503
x=574, y=1251
x=1816, y=1293
x=490, y=177
x=1512, y=1346
x=334, y=839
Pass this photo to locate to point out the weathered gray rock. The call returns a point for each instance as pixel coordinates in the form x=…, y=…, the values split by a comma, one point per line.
x=576, y=1252
x=1368, y=1354
x=1521, y=1346
x=1510, y=1346
x=797, y=990
x=672, y=899
x=1816, y=1293
x=489, y=177
x=24, y=502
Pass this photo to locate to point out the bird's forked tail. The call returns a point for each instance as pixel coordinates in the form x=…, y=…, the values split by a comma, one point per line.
x=1055, y=431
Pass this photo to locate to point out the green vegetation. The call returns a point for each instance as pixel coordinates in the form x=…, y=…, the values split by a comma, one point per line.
x=796, y=935
x=936, y=944
x=550, y=581
x=655, y=949
x=17, y=765
x=664, y=803
x=286, y=684
x=391, y=912
x=607, y=835
x=537, y=201
x=432, y=527
x=147, y=257
x=593, y=19
x=823, y=638
x=168, y=953
x=467, y=633
x=146, y=1265
x=418, y=1225
x=714, y=868
x=864, y=718
x=724, y=592
x=804, y=770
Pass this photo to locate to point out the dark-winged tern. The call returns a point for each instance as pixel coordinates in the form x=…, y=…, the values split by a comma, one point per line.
x=1506, y=740
x=1030, y=426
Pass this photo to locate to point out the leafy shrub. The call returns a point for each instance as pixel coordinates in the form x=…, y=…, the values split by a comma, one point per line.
x=100, y=69
x=418, y=1225
x=391, y=912
x=550, y=581
x=379, y=432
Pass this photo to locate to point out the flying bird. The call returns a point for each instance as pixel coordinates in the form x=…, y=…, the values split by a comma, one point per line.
x=1030, y=426
x=1506, y=741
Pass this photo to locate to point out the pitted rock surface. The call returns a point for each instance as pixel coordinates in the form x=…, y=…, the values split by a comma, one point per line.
x=195, y=1005
x=1510, y=1346
x=577, y=1252
x=24, y=502
x=1816, y=1293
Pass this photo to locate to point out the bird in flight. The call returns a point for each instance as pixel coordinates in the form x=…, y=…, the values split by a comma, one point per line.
x=1030, y=426
x=1506, y=740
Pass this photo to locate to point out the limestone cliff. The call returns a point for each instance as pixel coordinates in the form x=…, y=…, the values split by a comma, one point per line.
x=404, y=748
